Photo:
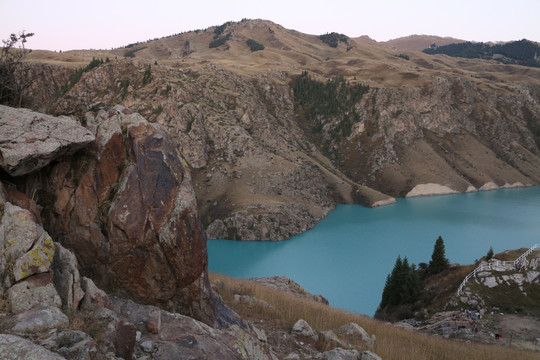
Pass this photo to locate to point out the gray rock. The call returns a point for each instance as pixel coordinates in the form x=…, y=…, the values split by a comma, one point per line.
x=341, y=354
x=331, y=336
x=31, y=140
x=261, y=335
x=76, y=345
x=16, y=348
x=368, y=355
x=94, y=297
x=26, y=249
x=40, y=318
x=147, y=346
x=36, y=290
x=66, y=277
x=356, y=331
x=302, y=328
x=292, y=356
x=288, y=285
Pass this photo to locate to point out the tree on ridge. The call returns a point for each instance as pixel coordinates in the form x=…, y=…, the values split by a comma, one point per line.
x=438, y=262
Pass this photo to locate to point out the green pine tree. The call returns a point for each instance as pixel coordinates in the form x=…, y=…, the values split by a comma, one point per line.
x=438, y=262
x=489, y=254
x=403, y=285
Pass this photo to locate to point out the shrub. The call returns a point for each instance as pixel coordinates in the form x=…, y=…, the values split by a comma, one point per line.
x=333, y=39
x=147, y=77
x=219, y=41
x=254, y=45
x=14, y=79
x=404, y=56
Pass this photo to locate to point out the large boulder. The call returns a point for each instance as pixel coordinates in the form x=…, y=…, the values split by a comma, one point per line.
x=40, y=318
x=34, y=291
x=353, y=331
x=127, y=208
x=303, y=329
x=66, y=277
x=341, y=354
x=188, y=337
x=14, y=348
x=27, y=249
x=31, y=140
x=26, y=256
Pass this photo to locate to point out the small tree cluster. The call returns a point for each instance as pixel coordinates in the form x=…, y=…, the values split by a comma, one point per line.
x=317, y=103
x=254, y=45
x=76, y=76
x=218, y=41
x=403, y=285
x=333, y=39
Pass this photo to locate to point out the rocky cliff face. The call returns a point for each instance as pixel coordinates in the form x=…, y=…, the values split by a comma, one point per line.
x=451, y=132
x=256, y=175
x=125, y=205
x=425, y=125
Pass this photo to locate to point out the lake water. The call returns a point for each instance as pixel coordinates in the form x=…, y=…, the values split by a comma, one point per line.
x=348, y=254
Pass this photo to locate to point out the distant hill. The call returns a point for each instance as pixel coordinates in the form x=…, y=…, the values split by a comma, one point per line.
x=419, y=42
x=522, y=52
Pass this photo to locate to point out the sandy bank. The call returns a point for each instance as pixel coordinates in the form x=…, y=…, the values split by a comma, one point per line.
x=430, y=189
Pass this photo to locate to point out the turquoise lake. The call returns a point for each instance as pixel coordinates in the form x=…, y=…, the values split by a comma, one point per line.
x=348, y=254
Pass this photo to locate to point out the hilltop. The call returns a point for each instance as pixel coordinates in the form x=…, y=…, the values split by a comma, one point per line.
x=271, y=156
x=420, y=42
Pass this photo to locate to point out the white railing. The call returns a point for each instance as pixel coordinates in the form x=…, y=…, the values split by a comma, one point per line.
x=489, y=266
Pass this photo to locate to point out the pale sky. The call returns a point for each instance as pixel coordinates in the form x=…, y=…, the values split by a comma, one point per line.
x=104, y=24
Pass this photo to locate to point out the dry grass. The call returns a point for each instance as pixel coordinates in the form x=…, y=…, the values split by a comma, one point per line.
x=510, y=255
x=392, y=342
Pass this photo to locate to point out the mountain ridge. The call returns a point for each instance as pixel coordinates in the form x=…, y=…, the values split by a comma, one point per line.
x=262, y=173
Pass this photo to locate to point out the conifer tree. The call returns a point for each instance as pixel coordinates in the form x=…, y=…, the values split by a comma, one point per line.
x=489, y=254
x=438, y=262
x=403, y=285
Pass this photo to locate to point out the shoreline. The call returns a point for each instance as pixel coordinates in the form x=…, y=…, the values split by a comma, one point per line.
x=430, y=189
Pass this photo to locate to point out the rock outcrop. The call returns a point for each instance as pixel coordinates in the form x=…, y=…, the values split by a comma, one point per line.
x=282, y=183
x=127, y=208
x=288, y=285
x=30, y=140
x=15, y=347
x=26, y=257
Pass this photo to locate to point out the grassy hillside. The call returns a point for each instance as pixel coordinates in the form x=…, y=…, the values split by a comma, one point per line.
x=392, y=342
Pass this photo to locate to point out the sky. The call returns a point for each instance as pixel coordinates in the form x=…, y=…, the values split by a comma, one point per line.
x=105, y=24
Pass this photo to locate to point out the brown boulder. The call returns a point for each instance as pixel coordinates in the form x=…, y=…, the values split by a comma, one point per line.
x=127, y=208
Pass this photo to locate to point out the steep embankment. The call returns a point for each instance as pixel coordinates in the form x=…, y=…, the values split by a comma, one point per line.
x=262, y=170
